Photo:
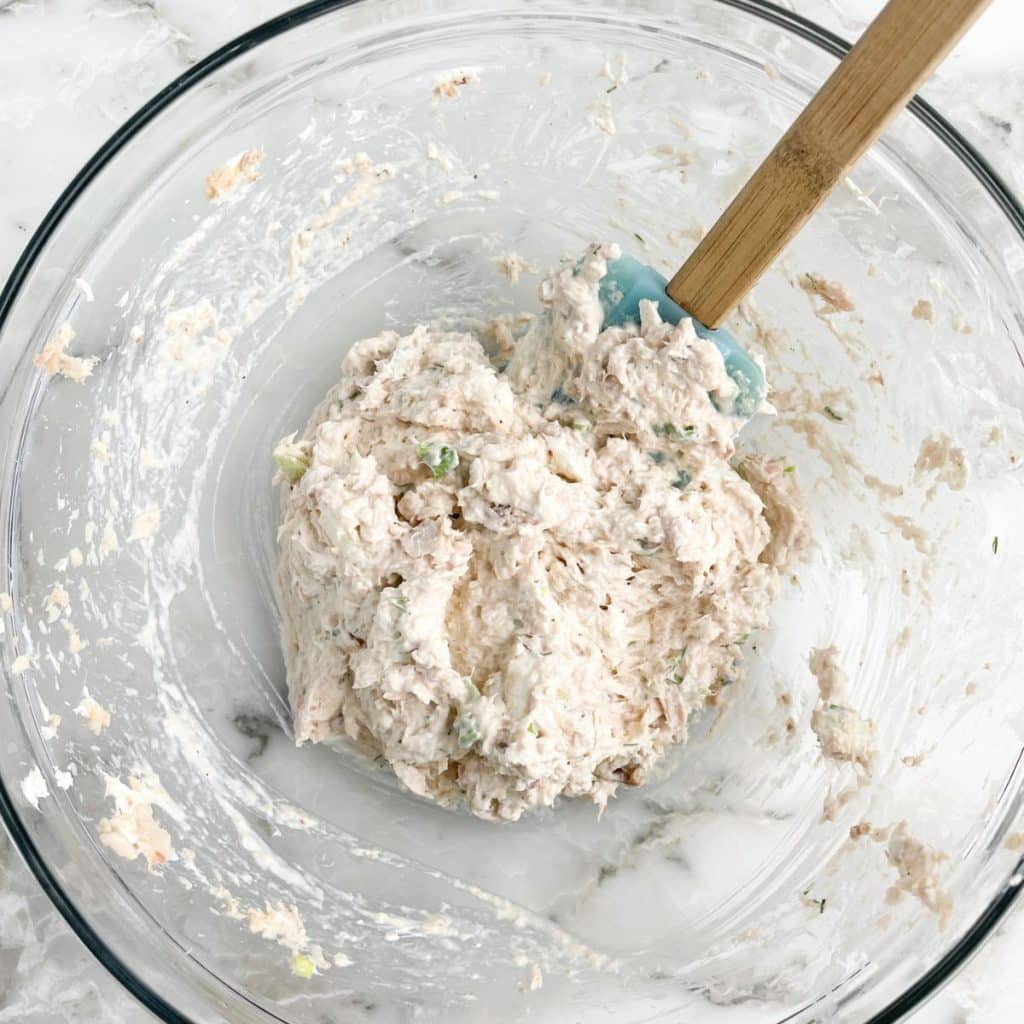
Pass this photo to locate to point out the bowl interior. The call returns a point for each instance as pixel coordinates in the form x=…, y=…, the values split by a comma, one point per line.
x=141, y=532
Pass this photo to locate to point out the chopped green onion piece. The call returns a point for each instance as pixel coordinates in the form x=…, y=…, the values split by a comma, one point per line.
x=438, y=458
x=466, y=730
x=291, y=466
x=687, y=433
x=678, y=675
x=302, y=965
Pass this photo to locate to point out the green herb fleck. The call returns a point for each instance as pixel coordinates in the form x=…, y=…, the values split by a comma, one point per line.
x=820, y=904
x=832, y=414
x=682, y=480
x=533, y=729
x=639, y=237
x=580, y=425
x=438, y=458
x=291, y=466
x=995, y=545
x=467, y=732
x=612, y=87
x=658, y=458
x=789, y=469
x=686, y=433
x=678, y=675
x=302, y=965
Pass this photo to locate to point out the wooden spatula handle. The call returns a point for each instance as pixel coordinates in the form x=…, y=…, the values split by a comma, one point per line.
x=872, y=84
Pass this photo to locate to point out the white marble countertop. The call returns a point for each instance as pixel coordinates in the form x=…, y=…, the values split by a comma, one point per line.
x=70, y=72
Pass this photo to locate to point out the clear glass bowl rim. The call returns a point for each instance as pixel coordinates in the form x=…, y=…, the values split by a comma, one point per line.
x=936, y=976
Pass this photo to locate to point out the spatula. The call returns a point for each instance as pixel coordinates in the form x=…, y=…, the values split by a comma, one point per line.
x=895, y=54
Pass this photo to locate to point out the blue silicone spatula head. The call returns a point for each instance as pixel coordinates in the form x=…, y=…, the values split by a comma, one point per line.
x=628, y=281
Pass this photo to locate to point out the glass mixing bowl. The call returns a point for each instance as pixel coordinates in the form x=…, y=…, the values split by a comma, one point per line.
x=753, y=880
